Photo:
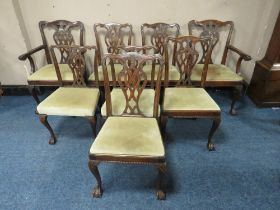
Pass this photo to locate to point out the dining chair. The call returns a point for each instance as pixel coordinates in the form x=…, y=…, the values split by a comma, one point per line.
x=76, y=100
x=131, y=133
x=186, y=100
x=219, y=75
x=62, y=33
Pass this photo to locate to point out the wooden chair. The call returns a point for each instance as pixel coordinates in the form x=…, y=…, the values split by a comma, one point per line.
x=47, y=75
x=155, y=35
x=185, y=100
x=219, y=75
x=1, y=91
x=115, y=35
x=130, y=135
x=76, y=100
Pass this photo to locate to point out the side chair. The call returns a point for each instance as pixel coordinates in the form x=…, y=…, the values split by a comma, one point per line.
x=130, y=135
x=75, y=100
x=185, y=100
x=219, y=75
x=47, y=75
x=109, y=36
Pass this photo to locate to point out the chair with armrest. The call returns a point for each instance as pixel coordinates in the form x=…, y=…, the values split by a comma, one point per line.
x=155, y=35
x=185, y=100
x=47, y=75
x=109, y=36
x=219, y=75
x=130, y=135
x=76, y=100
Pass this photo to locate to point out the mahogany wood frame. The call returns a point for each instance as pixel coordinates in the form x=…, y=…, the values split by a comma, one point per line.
x=131, y=79
x=62, y=36
x=75, y=60
x=210, y=28
x=185, y=58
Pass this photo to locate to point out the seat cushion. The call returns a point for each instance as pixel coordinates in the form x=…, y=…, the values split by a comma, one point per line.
x=129, y=136
x=48, y=73
x=216, y=72
x=146, y=102
x=188, y=99
x=173, y=72
x=70, y=101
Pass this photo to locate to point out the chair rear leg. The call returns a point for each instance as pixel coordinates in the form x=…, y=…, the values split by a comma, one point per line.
x=236, y=95
x=161, y=194
x=33, y=92
x=97, y=191
x=92, y=121
x=44, y=121
x=163, y=123
x=215, y=125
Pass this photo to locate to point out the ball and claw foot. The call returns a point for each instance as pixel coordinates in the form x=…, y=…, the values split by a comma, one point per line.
x=52, y=141
x=97, y=192
x=161, y=195
x=211, y=147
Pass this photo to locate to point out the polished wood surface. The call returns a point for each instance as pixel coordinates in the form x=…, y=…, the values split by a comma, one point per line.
x=264, y=87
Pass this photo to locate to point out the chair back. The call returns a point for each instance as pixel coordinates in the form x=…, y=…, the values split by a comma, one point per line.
x=186, y=56
x=62, y=35
x=75, y=60
x=132, y=80
x=212, y=29
x=114, y=36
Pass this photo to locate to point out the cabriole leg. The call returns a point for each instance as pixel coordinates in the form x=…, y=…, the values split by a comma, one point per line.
x=33, y=92
x=215, y=125
x=44, y=121
x=92, y=121
x=236, y=95
x=161, y=195
x=97, y=191
x=163, y=123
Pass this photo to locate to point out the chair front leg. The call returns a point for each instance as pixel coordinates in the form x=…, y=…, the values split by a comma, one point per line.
x=236, y=95
x=215, y=125
x=92, y=121
x=33, y=92
x=161, y=195
x=163, y=123
x=97, y=191
x=44, y=121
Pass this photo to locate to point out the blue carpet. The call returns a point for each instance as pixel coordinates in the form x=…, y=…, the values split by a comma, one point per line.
x=243, y=172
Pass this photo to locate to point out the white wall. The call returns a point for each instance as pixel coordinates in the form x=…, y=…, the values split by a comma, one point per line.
x=254, y=21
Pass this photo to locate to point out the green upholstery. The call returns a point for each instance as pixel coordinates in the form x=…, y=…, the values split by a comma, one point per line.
x=70, y=101
x=173, y=72
x=216, y=72
x=48, y=73
x=146, y=102
x=188, y=99
x=129, y=136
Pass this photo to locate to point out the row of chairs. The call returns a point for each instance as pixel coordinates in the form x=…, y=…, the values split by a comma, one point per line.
x=135, y=102
x=113, y=35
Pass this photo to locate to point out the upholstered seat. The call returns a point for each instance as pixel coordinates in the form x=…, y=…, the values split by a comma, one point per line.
x=146, y=102
x=188, y=99
x=48, y=73
x=129, y=136
x=173, y=72
x=216, y=72
x=70, y=101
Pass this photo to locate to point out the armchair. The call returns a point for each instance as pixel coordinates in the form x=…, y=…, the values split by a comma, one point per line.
x=219, y=75
x=185, y=100
x=131, y=135
x=47, y=75
x=76, y=100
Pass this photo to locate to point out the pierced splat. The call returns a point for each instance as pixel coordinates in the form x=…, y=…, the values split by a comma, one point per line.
x=210, y=29
x=114, y=35
x=160, y=31
x=131, y=79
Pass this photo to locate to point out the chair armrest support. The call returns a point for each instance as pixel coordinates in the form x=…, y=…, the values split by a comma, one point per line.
x=242, y=56
x=27, y=55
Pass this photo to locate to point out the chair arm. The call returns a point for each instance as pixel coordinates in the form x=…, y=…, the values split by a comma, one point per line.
x=27, y=55
x=242, y=56
x=24, y=56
